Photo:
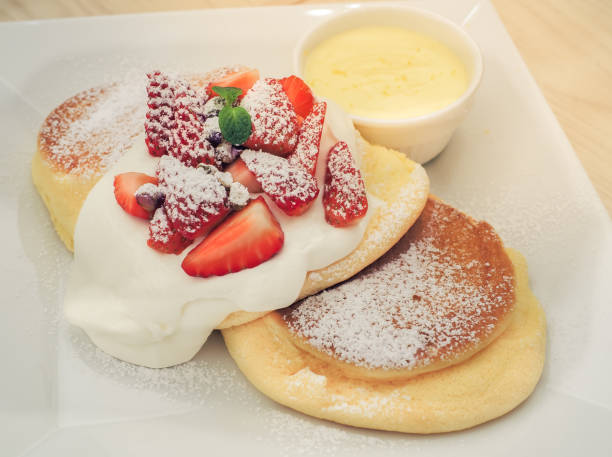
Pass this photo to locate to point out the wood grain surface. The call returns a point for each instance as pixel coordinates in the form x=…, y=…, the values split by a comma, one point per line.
x=567, y=45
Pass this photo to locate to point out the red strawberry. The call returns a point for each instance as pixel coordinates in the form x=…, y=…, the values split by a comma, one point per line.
x=241, y=79
x=290, y=186
x=307, y=150
x=160, y=115
x=244, y=240
x=194, y=199
x=240, y=173
x=344, y=197
x=187, y=141
x=275, y=124
x=126, y=185
x=299, y=94
x=163, y=237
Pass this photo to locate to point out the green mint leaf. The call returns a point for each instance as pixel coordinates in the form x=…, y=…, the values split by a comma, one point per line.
x=230, y=94
x=235, y=124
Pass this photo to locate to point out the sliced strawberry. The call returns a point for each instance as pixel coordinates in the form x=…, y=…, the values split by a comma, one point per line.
x=307, y=150
x=299, y=94
x=163, y=237
x=126, y=185
x=160, y=115
x=194, y=199
x=344, y=197
x=275, y=124
x=240, y=173
x=187, y=142
x=241, y=79
x=291, y=187
x=244, y=240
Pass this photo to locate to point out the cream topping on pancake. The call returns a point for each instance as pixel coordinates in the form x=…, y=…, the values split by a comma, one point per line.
x=140, y=306
x=441, y=291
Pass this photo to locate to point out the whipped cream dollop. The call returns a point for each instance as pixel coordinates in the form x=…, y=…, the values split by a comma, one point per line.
x=140, y=306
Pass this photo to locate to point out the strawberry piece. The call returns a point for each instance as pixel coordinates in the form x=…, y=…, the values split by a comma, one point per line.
x=160, y=115
x=195, y=200
x=299, y=94
x=240, y=173
x=344, y=196
x=187, y=140
x=244, y=240
x=163, y=237
x=307, y=150
x=241, y=79
x=275, y=124
x=290, y=186
x=126, y=185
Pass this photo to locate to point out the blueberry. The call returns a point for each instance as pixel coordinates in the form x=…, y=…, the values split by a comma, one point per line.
x=149, y=197
x=215, y=138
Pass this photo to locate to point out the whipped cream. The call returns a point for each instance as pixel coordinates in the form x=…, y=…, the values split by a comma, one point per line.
x=140, y=306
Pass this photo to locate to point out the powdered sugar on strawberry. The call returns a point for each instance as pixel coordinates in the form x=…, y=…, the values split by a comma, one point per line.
x=160, y=116
x=187, y=142
x=307, y=149
x=275, y=124
x=291, y=187
x=163, y=237
x=193, y=197
x=344, y=197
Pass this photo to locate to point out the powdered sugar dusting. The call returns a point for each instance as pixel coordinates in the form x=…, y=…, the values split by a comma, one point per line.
x=90, y=131
x=159, y=228
x=344, y=197
x=440, y=290
x=238, y=195
x=275, y=126
x=192, y=195
x=160, y=115
x=307, y=149
x=187, y=141
x=288, y=185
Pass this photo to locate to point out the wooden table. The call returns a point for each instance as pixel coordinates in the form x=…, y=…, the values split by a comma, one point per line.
x=567, y=45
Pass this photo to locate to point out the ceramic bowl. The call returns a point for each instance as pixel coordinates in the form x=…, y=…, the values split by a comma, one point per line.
x=422, y=137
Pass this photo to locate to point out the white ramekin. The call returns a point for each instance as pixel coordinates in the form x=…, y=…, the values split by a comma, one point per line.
x=423, y=137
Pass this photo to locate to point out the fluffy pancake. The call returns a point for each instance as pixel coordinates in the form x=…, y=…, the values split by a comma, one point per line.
x=444, y=292
x=438, y=366
x=78, y=141
x=85, y=135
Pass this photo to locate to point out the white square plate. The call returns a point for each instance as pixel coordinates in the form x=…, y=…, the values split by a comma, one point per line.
x=509, y=164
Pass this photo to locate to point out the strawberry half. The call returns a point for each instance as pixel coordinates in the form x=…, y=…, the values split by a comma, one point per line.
x=187, y=141
x=274, y=123
x=126, y=185
x=242, y=79
x=244, y=240
x=163, y=237
x=160, y=115
x=307, y=150
x=291, y=187
x=299, y=95
x=344, y=196
x=240, y=173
